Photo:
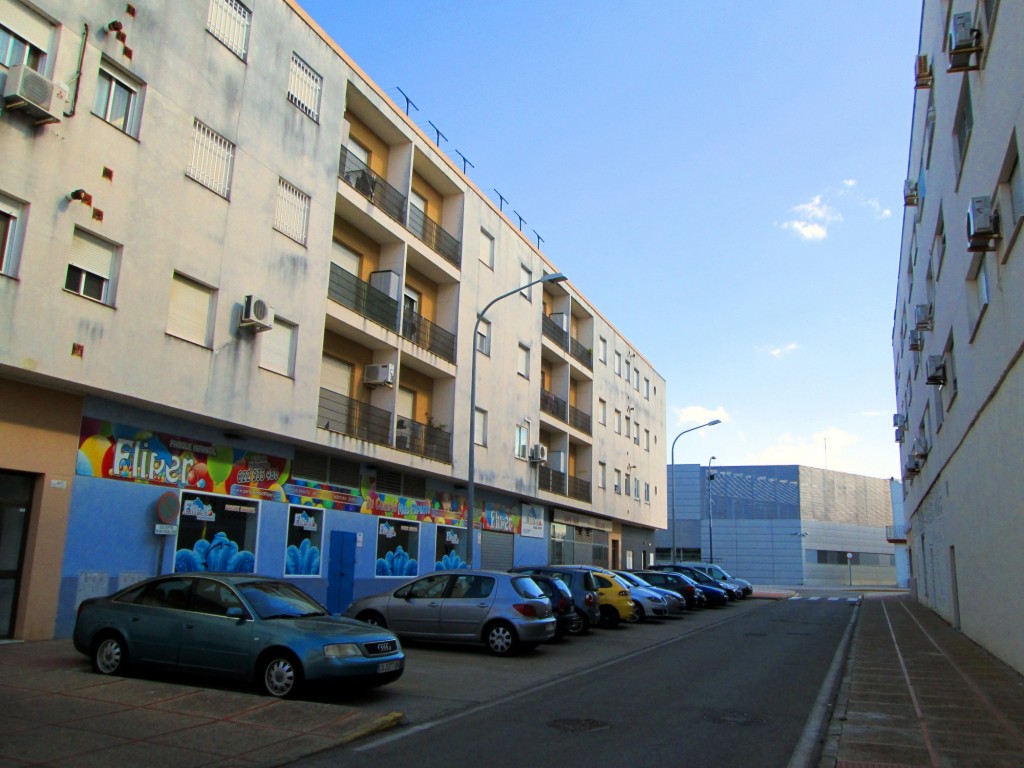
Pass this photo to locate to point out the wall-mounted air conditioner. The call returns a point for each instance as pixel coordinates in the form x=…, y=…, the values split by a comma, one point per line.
x=387, y=282
x=964, y=42
x=913, y=466
x=556, y=460
x=32, y=93
x=916, y=340
x=920, y=448
x=909, y=193
x=378, y=374
x=923, y=73
x=900, y=434
x=982, y=224
x=924, y=316
x=560, y=319
x=256, y=314
x=899, y=420
x=538, y=454
x=935, y=370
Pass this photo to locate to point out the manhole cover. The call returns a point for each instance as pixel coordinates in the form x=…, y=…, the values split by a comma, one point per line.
x=730, y=718
x=580, y=725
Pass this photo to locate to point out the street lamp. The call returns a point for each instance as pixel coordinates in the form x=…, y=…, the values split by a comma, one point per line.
x=711, y=517
x=672, y=480
x=555, y=277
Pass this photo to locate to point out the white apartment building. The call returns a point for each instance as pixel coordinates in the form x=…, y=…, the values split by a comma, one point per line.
x=238, y=292
x=958, y=332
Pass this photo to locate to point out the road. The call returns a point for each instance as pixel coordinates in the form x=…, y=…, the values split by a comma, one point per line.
x=724, y=687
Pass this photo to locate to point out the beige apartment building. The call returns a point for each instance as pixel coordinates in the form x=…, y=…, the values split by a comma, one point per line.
x=238, y=292
x=958, y=332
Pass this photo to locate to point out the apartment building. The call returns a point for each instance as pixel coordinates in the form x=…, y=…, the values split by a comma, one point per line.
x=238, y=295
x=958, y=333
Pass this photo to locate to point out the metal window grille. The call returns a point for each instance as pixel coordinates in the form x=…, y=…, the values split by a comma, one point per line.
x=304, y=86
x=212, y=159
x=229, y=22
x=292, y=214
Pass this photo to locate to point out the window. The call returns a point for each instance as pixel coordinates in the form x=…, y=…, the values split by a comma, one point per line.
x=486, y=248
x=602, y=411
x=229, y=22
x=626, y=371
x=212, y=159
x=636, y=379
x=11, y=214
x=950, y=388
x=618, y=422
x=628, y=486
x=939, y=247
x=483, y=337
x=15, y=50
x=522, y=441
x=523, y=362
x=636, y=432
x=118, y=101
x=291, y=216
x=304, y=87
x=188, y=313
x=647, y=493
x=602, y=471
x=480, y=438
x=525, y=278
x=618, y=363
x=978, y=291
x=602, y=350
x=1016, y=192
x=618, y=481
x=647, y=440
x=92, y=267
x=962, y=125
x=636, y=488
x=277, y=348
x=336, y=375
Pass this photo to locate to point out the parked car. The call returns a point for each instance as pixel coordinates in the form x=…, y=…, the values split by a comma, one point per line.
x=504, y=611
x=614, y=600
x=736, y=589
x=584, y=592
x=683, y=586
x=233, y=625
x=568, y=622
x=718, y=573
x=731, y=592
x=675, y=605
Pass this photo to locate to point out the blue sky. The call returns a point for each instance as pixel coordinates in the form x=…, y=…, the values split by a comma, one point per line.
x=722, y=180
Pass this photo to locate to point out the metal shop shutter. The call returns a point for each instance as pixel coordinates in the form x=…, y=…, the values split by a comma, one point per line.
x=497, y=551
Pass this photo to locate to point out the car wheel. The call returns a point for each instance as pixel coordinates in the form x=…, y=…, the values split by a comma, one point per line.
x=637, y=615
x=110, y=655
x=609, y=617
x=372, y=617
x=501, y=639
x=280, y=675
x=579, y=623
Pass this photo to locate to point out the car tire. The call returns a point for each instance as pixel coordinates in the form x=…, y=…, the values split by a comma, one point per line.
x=609, y=617
x=110, y=654
x=372, y=617
x=279, y=675
x=637, y=616
x=579, y=624
x=501, y=639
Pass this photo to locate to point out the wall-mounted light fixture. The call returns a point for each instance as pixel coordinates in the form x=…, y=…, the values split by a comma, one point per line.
x=115, y=26
x=80, y=195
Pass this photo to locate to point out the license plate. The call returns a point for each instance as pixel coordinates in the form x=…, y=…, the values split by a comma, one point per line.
x=388, y=666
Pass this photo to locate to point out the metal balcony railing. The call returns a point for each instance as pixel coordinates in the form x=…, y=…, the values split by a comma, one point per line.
x=429, y=336
x=551, y=480
x=362, y=298
x=556, y=406
x=423, y=440
x=896, y=534
x=555, y=332
x=579, y=488
x=581, y=353
x=579, y=419
x=431, y=233
x=364, y=181
x=339, y=413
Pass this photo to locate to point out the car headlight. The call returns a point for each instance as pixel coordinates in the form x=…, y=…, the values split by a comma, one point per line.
x=341, y=650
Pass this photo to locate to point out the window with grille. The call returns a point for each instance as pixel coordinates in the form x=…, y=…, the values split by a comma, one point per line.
x=229, y=22
x=304, y=87
x=118, y=101
x=189, y=310
x=92, y=267
x=291, y=216
x=212, y=159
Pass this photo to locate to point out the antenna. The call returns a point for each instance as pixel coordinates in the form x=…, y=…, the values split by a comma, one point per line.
x=465, y=162
x=539, y=239
x=439, y=134
x=521, y=220
x=501, y=200
x=408, y=102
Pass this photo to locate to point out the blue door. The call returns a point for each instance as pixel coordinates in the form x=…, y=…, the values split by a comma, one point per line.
x=341, y=567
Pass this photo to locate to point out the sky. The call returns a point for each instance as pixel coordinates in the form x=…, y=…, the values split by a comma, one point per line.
x=722, y=180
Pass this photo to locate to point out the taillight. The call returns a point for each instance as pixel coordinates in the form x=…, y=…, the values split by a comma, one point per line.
x=589, y=599
x=526, y=610
x=623, y=593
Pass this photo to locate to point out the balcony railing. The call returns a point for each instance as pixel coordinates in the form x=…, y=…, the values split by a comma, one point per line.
x=896, y=534
x=556, y=406
x=563, y=340
x=579, y=488
x=423, y=440
x=551, y=480
x=431, y=233
x=364, y=181
x=429, y=336
x=579, y=419
x=338, y=413
x=581, y=353
x=362, y=298
x=555, y=332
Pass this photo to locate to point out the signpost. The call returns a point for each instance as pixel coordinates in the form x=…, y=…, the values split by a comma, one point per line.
x=849, y=561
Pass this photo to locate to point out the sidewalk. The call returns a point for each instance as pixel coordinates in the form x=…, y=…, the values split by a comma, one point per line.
x=55, y=711
x=916, y=692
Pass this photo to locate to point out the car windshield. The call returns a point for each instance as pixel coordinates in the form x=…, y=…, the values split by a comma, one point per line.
x=527, y=587
x=639, y=580
x=278, y=600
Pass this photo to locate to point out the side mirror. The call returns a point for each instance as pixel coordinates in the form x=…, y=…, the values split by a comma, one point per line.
x=235, y=612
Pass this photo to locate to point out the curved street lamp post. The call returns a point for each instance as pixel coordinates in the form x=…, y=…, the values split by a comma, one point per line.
x=672, y=480
x=711, y=518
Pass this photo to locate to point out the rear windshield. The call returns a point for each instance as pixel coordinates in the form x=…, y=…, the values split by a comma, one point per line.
x=589, y=583
x=527, y=587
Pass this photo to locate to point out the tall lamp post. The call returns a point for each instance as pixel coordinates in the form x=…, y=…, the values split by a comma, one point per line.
x=711, y=518
x=555, y=277
x=672, y=480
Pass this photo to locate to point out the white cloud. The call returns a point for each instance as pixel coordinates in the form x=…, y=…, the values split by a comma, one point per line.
x=812, y=219
x=849, y=183
x=778, y=352
x=876, y=207
x=698, y=414
x=829, y=447
x=807, y=230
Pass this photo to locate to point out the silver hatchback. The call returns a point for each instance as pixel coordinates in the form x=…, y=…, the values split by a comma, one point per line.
x=504, y=611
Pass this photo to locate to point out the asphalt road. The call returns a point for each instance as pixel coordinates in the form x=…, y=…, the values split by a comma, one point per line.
x=726, y=687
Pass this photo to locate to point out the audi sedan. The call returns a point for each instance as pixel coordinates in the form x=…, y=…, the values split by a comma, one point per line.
x=506, y=612
x=234, y=625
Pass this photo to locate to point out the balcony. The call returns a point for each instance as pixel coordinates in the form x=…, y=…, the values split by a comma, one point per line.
x=579, y=420
x=358, y=175
x=896, y=534
x=429, y=336
x=431, y=233
x=579, y=488
x=338, y=413
x=423, y=440
x=581, y=354
x=362, y=298
x=556, y=406
x=551, y=480
x=557, y=334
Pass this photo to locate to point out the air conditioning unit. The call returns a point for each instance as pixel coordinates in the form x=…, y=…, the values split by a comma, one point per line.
x=982, y=224
x=539, y=454
x=899, y=420
x=920, y=448
x=924, y=316
x=916, y=340
x=30, y=91
x=935, y=370
x=913, y=466
x=964, y=41
x=378, y=374
x=923, y=73
x=387, y=282
x=560, y=319
x=909, y=193
x=900, y=434
x=256, y=314
x=556, y=461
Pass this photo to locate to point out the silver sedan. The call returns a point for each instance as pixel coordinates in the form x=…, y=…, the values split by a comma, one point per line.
x=504, y=611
